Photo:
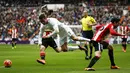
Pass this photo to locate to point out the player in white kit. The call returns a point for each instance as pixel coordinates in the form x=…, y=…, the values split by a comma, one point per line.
x=60, y=33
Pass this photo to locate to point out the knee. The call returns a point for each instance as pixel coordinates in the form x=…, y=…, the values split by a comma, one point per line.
x=98, y=56
x=58, y=50
x=42, y=48
x=74, y=38
x=123, y=42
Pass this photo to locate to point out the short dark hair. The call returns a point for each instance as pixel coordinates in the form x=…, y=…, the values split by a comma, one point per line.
x=42, y=16
x=115, y=20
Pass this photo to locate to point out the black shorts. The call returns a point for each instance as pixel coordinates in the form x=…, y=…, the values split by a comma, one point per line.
x=14, y=39
x=49, y=42
x=99, y=46
x=87, y=34
x=124, y=39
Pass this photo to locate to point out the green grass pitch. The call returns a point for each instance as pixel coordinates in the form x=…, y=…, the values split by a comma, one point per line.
x=24, y=60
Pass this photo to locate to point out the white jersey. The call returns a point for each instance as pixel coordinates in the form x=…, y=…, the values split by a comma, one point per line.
x=60, y=31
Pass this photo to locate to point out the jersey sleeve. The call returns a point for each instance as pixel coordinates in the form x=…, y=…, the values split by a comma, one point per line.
x=41, y=30
x=92, y=20
x=113, y=32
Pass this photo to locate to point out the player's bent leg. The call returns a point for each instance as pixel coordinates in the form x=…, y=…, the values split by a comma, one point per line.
x=78, y=38
x=12, y=44
x=64, y=47
x=91, y=49
x=111, y=57
x=82, y=48
x=58, y=49
x=42, y=55
x=124, y=46
x=93, y=61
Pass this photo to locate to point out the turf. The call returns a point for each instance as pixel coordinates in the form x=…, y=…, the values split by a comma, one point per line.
x=24, y=60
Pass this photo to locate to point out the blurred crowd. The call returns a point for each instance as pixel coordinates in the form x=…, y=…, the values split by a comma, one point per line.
x=26, y=18
x=34, y=3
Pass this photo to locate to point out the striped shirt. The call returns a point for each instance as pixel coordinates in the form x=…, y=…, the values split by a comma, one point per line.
x=104, y=31
x=14, y=33
x=124, y=30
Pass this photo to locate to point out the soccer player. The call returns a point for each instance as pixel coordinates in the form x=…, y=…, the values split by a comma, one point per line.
x=57, y=39
x=14, y=33
x=99, y=44
x=124, y=30
x=87, y=32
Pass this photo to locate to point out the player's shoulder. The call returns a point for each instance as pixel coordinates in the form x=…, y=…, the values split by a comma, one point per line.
x=90, y=17
x=51, y=18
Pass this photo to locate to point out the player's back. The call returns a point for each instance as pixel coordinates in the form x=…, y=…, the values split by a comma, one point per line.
x=55, y=22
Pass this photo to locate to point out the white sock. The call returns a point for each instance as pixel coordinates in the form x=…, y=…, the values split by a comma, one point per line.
x=83, y=39
x=71, y=48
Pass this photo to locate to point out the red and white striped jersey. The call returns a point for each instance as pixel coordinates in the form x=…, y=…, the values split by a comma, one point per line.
x=14, y=33
x=124, y=30
x=104, y=31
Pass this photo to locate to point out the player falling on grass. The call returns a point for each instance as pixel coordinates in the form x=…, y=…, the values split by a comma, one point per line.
x=99, y=44
x=60, y=33
x=14, y=33
x=124, y=30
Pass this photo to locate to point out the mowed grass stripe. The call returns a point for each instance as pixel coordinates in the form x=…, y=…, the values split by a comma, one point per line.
x=24, y=60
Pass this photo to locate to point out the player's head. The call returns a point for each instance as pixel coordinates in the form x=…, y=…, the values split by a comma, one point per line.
x=124, y=23
x=13, y=27
x=42, y=19
x=85, y=13
x=115, y=21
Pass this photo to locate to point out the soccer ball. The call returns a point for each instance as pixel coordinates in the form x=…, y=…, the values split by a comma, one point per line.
x=7, y=63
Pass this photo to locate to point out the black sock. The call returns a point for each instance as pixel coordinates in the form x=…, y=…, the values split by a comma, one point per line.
x=124, y=45
x=12, y=44
x=111, y=57
x=86, y=52
x=15, y=44
x=93, y=61
x=91, y=50
x=43, y=57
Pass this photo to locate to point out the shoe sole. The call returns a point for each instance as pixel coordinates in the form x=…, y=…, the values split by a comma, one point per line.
x=115, y=68
x=40, y=62
x=89, y=69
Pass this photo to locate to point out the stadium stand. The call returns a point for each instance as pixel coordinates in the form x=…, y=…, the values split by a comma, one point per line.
x=24, y=13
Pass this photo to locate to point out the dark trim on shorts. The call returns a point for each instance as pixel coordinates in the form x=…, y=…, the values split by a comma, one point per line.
x=49, y=42
x=14, y=39
x=124, y=39
x=99, y=46
x=105, y=44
